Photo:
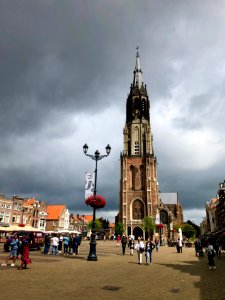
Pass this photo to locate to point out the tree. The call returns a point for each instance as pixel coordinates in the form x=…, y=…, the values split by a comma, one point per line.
x=119, y=229
x=196, y=227
x=148, y=225
x=188, y=230
x=176, y=227
x=105, y=223
x=98, y=225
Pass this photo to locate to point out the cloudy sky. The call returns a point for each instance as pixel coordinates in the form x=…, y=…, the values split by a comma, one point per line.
x=66, y=69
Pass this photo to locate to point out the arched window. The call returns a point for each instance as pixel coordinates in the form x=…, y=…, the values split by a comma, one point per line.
x=142, y=176
x=138, y=210
x=164, y=217
x=134, y=179
x=136, y=141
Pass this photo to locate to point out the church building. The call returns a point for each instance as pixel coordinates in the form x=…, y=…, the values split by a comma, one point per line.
x=139, y=187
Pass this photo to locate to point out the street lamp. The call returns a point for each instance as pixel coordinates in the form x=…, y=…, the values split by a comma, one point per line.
x=96, y=156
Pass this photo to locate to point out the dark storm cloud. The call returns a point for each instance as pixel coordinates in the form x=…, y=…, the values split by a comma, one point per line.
x=66, y=68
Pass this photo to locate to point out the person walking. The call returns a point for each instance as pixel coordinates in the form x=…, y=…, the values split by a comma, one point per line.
x=75, y=244
x=140, y=248
x=148, y=249
x=66, y=241
x=60, y=244
x=180, y=245
x=123, y=243
x=156, y=244
x=118, y=239
x=211, y=255
x=47, y=244
x=55, y=243
x=25, y=251
x=131, y=245
x=13, y=252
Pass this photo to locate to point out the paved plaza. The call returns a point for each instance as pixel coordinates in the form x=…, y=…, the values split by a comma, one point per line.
x=171, y=276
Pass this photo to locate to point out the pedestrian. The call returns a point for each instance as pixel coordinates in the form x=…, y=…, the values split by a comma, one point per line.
x=13, y=252
x=70, y=244
x=156, y=244
x=55, y=244
x=25, y=251
x=179, y=245
x=75, y=244
x=123, y=243
x=60, y=244
x=217, y=249
x=140, y=247
x=118, y=240
x=66, y=241
x=148, y=249
x=211, y=255
x=131, y=245
x=47, y=244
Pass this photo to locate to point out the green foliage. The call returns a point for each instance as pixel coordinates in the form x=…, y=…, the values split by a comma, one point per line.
x=176, y=227
x=196, y=227
x=188, y=230
x=98, y=225
x=119, y=229
x=148, y=225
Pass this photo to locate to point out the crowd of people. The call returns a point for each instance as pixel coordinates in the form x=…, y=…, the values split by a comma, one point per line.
x=62, y=244
x=140, y=246
x=68, y=244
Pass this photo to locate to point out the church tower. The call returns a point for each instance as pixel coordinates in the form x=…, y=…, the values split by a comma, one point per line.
x=139, y=191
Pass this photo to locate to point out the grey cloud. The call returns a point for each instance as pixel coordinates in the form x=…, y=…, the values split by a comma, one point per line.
x=66, y=60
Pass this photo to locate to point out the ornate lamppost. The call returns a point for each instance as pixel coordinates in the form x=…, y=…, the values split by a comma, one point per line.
x=96, y=156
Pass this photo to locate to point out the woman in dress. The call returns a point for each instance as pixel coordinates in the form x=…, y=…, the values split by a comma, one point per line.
x=25, y=251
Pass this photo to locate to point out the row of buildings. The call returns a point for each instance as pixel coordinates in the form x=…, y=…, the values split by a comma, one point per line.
x=38, y=214
x=214, y=222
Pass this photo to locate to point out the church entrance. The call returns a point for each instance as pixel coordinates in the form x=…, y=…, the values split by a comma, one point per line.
x=137, y=232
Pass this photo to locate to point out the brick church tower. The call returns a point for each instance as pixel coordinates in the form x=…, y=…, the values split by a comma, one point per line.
x=139, y=191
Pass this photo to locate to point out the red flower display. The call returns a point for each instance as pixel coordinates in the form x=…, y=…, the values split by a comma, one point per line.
x=160, y=225
x=21, y=225
x=96, y=201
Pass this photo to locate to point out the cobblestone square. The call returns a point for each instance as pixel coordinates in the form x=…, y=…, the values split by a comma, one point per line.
x=172, y=275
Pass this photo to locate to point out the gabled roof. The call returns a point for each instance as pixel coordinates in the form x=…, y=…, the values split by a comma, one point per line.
x=30, y=201
x=169, y=198
x=88, y=218
x=54, y=211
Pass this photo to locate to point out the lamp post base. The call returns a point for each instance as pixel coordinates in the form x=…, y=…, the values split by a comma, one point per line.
x=92, y=254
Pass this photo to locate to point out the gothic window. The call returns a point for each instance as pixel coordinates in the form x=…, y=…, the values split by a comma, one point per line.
x=129, y=148
x=164, y=217
x=136, y=141
x=138, y=210
x=134, y=179
x=142, y=176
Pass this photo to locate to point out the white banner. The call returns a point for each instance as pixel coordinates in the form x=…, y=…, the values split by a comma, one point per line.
x=171, y=226
x=157, y=219
x=89, y=184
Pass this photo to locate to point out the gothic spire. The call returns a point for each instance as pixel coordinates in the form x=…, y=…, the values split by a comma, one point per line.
x=138, y=78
